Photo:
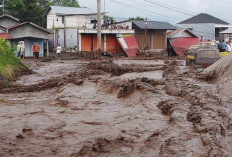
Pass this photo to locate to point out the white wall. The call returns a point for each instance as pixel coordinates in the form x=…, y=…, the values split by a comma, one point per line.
x=72, y=21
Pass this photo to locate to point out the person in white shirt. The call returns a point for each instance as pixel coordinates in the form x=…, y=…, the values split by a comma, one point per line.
x=228, y=46
x=58, y=51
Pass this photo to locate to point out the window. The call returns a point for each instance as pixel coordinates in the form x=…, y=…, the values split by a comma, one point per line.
x=63, y=19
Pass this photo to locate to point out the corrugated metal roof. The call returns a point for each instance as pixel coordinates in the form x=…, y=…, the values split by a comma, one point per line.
x=203, y=18
x=154, y=25
x=180, y=45
x=129, y=45
x=71, y=10
x=5, y=36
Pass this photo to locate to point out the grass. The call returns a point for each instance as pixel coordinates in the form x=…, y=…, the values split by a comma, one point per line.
x=10, y=65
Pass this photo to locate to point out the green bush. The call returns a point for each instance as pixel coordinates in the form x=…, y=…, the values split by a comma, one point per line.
x=9, y=63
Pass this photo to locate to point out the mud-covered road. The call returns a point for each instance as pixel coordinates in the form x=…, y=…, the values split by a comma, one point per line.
x=128, y=108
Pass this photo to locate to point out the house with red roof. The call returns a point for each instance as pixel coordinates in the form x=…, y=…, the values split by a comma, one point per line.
x=15, y=30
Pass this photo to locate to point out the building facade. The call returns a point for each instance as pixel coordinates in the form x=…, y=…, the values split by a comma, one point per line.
x=206, y=26
x=64, y=23
x=16, y=31
x=149, y=34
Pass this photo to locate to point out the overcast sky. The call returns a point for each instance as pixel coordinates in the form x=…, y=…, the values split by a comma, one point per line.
x=132, y=8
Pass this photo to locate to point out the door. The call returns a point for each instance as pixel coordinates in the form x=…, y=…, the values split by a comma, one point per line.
x=158, y=41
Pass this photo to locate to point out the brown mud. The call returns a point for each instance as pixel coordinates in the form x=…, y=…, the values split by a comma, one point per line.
x=114, y=108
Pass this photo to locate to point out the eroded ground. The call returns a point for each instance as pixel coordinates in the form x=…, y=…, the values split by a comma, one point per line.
x=127, y=108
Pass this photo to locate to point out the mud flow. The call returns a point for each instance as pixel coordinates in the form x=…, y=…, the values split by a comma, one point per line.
x=120, y=108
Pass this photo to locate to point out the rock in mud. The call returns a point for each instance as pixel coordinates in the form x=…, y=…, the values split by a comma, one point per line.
x=166, y=107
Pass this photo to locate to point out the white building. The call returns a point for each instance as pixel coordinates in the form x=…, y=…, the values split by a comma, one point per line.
x=65, y=22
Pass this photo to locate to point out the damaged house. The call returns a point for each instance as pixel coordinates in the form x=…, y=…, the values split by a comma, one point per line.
x=76, y=28
x=180, y=40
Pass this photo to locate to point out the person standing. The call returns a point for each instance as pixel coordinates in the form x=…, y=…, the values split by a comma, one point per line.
x=223, y=46
x=19, y=49
x=33, y=50
x=58, y=51
x=22, y=54
x=228, y=47
x=36, y=50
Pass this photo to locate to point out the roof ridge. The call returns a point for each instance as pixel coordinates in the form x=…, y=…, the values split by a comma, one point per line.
x=10, y=16
x=203, y=18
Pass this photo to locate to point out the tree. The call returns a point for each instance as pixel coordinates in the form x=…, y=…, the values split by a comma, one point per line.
x=33, y=10
x=138, y=18
x=27, y=10
x=65, y=3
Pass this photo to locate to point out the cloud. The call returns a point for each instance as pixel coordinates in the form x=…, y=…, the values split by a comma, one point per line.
x=198, y=5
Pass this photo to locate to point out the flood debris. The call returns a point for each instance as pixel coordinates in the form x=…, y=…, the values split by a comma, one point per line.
x=116, y=70
x=83, y=109
x=44, y=85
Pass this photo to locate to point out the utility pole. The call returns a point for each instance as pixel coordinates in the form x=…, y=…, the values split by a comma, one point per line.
x=145, y=44
x=99, y=29
x=64, y=31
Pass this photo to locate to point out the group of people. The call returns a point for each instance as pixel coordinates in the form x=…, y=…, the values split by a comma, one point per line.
x=21, y=50
x=35, y=50
x=224, y=46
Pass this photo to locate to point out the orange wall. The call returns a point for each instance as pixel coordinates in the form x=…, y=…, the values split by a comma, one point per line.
x=86, y=42
x=112, y=45
x=95, y=43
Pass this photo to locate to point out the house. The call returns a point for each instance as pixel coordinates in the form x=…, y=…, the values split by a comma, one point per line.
x=180, y=40
x=64, y=23
x=76, y=27
x=206, y=26
x=149, y=34
x=14, y=30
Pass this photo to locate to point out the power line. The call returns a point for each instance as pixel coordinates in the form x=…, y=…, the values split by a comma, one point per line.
x=143, y=10
x=127, y=5
x=176, y=9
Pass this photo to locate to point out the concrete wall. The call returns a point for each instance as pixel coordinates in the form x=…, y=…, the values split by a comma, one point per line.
x=207, y=29
x=73, y=21
x=7, y=22
x=72, y=38
x=28, y=31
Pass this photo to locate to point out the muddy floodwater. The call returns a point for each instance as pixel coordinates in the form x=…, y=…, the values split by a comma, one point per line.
x=124, y=108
